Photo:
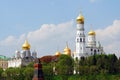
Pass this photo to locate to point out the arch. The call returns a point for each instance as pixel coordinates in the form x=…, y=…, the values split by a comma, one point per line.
x=94, y=52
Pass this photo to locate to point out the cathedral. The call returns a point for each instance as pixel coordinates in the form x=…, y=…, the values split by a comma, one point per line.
x=24, y=57
x=83, y=47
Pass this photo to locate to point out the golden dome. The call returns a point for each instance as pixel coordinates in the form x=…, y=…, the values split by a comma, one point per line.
x=57, y=53
x=67, y=51
x=26, y=45
x=91, y=32
x=80, y=19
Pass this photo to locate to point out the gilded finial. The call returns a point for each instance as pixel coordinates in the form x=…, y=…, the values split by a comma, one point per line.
x=67, y=50
x=80, y=12
x=91, y=32
x=66, y=44
x=91, y=27
x=80, y=18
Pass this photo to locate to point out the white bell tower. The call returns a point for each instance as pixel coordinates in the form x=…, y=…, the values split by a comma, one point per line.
x=80, y=38
x=91, y=39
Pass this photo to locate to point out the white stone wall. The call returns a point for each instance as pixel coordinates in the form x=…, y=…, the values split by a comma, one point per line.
x=15, y=62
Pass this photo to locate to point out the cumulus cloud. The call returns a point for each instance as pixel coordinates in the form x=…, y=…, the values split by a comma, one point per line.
x=12, y=40
x=50, y=37
x=46, y=40
x=109, y=37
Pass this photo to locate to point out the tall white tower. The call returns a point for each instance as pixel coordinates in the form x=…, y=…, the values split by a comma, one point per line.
x=91, y=39
x=80, y=38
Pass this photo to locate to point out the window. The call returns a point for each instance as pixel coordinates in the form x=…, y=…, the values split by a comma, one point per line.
x=81, y=48
x=77, y=40
x=98, y=50
x=80, y=39
x=83, y=39
x=91, y=49
x=94, y=52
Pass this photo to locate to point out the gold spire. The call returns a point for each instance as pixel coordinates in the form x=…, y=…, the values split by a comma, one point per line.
x=67, y=50
x=80, y=19
x=26, y=45
x=57, y=53
x=91, y=32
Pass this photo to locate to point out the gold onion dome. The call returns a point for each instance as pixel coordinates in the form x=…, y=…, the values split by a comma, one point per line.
x=26, y=45
x=91, y=32
x=57, y=53
x=67, y=51
x=80, y=19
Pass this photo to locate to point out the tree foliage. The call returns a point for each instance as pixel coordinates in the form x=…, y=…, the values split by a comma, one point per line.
x=64, y=65
x=96, y=67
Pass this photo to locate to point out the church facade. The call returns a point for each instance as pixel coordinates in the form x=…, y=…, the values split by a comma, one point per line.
x=84, y=47
x=24, y=57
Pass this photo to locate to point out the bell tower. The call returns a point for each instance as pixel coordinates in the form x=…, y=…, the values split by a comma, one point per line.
x=80, y=37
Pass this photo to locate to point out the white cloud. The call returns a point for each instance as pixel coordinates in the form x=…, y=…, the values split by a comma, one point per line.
x=45, y=40
x=50, y=37
x=110, y=37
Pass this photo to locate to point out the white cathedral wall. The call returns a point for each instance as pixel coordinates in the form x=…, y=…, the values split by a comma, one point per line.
x=14, y=62
x=97, y=49
x=91, y=41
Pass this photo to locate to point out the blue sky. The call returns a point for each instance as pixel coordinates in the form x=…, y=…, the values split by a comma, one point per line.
x=23, y=18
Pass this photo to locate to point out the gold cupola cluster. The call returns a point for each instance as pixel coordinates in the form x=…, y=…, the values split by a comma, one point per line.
x=67, y=50
x=91, y=32
x=26, y=45
x=80, y=19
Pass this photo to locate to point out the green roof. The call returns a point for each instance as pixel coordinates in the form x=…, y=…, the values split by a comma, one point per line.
x=3, y=57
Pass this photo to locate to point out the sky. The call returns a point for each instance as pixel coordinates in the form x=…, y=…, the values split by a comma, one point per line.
x=49, y=24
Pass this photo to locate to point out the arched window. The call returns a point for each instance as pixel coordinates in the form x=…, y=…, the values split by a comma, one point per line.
x=77, y=40
x=91, y=53
x=83, y=39
x=80, y=39
x=94, y=52
x=91, y=49
x=98, y=50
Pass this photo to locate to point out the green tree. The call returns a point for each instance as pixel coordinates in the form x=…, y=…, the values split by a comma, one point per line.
x=10, y=73
x=13, y=74
x=112, y=63
x=64, y=65
x=48, y=69
x=1, y=71
x=103, y=63
x=31, y=64
x=4, y=76
x=28, y=73
x=91, y=60
x=118, y=65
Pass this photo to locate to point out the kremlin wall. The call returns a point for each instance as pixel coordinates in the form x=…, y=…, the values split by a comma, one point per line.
x=85, y=45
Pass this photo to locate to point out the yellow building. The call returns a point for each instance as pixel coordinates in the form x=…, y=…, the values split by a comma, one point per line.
x=3, y=62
